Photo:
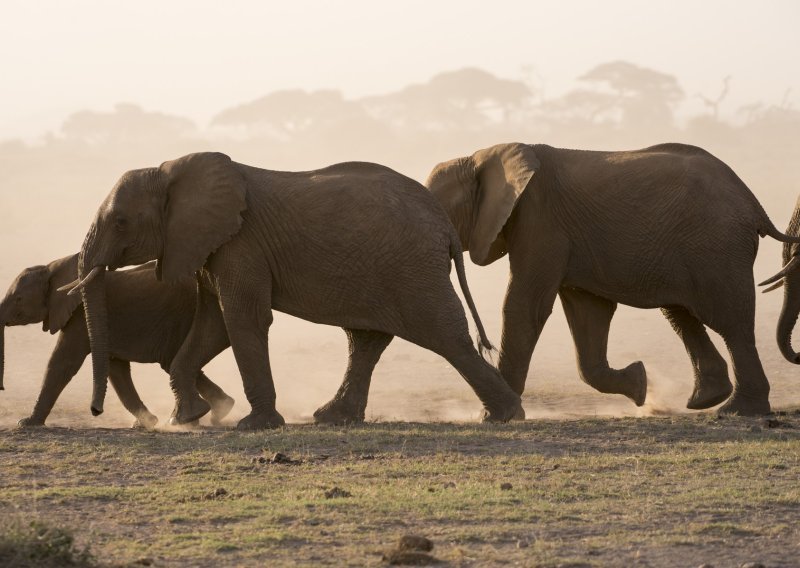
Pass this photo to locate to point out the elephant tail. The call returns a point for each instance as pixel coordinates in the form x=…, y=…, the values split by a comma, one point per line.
x=768, y=229
x=485, y=346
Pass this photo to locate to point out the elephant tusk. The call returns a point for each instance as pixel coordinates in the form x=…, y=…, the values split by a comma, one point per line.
x=778, y=284
x=791, y=265
x=75, y=288
x=69, y=286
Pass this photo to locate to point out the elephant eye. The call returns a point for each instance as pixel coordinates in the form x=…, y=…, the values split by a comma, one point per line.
x=121, y=223
x=18, y=299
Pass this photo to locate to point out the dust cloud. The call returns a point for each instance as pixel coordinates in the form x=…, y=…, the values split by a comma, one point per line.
x=51, y=189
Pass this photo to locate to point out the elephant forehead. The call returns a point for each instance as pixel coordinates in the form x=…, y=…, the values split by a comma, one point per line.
x=29, y=277
x=131, y=189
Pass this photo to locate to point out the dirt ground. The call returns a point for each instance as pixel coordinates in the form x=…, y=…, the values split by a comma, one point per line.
x=594, y=481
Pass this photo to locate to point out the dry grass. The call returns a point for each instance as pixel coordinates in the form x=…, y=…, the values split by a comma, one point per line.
x=596, y=492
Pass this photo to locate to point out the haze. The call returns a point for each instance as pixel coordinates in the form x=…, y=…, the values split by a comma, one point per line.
x=194, y=57
x=92, y=89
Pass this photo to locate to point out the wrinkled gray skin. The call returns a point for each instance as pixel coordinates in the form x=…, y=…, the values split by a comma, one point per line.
x=148, y=320
x=789, y=279
x=355, y=245
x=668, y=227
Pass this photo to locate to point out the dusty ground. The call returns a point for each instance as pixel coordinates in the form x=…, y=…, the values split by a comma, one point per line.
x=595, y=481
x=657, y=491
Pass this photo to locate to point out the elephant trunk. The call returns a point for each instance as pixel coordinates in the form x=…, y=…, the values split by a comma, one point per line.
x=791, y=291
x=2, y=353
x=96, y=311
x=788, y=317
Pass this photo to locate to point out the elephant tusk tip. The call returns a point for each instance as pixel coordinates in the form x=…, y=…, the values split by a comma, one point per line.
x=775, y=286
x=73, y=291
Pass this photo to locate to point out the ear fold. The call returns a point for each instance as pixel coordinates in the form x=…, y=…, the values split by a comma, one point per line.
x=503, y=172
x=205, y=199
x=60, y=305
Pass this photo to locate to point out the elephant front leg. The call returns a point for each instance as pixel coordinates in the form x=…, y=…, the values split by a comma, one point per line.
x=711, y=382
x=247, y=320
x=119, y=373
x=221, y=403
x=65, y=361
x=529, y=302
x=589, y=318
x=350, y=402
x=206, y=339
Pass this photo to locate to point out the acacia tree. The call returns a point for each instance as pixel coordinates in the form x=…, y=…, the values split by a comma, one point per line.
x=467, y=98
x=623, y=95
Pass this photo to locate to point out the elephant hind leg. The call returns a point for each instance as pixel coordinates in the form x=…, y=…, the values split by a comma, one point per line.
x=589, y=319
x=711, y=382
x=119, y=374
x=441, y=326
x=350, y=402
x=751, y=389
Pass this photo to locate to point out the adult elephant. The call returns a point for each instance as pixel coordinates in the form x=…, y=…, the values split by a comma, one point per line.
x=789, y=279
x=668, y=227
x=148, y=321
x=355, y=245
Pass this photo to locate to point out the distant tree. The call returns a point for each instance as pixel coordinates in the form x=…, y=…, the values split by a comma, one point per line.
x=623, y=94
x=714, y=104
x=127, y=123
x=289, y=112
x=467, y=98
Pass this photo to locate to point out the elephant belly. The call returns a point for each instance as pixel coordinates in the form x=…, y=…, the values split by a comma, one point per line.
x=633, y=286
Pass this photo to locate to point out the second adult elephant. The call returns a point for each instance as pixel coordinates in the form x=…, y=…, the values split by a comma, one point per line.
x=355, y=245
x=148, y=320
x=668, y=227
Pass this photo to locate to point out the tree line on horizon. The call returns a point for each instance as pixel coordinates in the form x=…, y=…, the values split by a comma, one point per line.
x=615, y=105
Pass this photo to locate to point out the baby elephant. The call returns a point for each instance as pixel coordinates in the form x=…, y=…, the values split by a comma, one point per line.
x=148, y=322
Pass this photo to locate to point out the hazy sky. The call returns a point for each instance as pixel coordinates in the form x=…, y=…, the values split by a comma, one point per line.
x=196, y=57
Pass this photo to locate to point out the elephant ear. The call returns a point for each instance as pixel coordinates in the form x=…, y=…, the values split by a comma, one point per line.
x=60, y=305
x=503, y=172
x=205, y=199
x=454, y=185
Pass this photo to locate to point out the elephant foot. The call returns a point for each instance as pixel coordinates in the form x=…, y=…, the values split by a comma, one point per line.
x=709, y=391
x=145, y=421
x=30, y=422
x=511, y=411
x=220, y=408
x=336, y=413
x=634, y=378
x=189, y=409
x=261, y=421
x=175, y=424
x=630, y=381
x=746, y=406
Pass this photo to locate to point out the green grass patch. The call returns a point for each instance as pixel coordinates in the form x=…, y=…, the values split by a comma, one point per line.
x=599, y=492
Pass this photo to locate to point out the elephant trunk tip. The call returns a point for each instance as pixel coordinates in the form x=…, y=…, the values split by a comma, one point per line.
x=96, y=411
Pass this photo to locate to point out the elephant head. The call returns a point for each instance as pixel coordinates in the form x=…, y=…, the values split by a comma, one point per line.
x=34, y=297
x=178, y=214
x=789, y=279
x=479, y=193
